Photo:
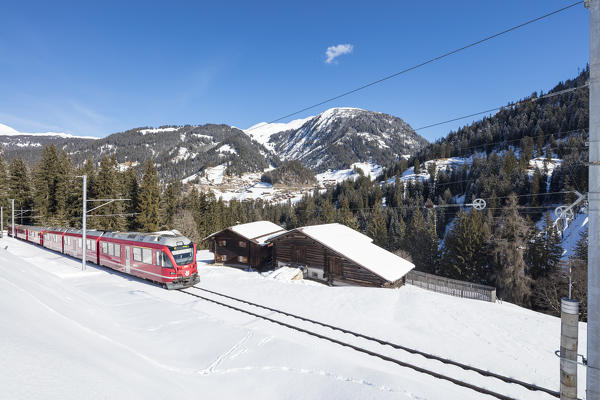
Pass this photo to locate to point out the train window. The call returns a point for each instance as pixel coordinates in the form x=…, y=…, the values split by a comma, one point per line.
x=242, y=259
x=111, y=249
x=80, y=243
x=147, y=256
x=222, y=243
x=118, y=250
x=88, y=244
x=241, y=243
x=104, y=247
x=137, y=254
x=166, y=261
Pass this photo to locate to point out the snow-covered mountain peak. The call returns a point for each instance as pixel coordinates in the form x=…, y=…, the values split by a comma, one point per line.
x=6, y=130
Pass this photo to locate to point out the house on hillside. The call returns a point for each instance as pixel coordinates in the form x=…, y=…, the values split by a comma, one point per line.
x=339, y=256
x=245, y=245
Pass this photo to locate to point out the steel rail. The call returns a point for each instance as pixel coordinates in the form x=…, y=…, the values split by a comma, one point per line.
x=485, y=373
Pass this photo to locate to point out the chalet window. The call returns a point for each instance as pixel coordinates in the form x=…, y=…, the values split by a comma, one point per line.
x=223, y=257
x=104, y=247
x=242, y=243
x=147, y=256
x=137, y=254
x=242, y=259
x=222, y=243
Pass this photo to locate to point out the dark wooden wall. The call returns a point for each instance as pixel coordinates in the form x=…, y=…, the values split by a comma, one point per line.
x=298, y=249
x=257, y=256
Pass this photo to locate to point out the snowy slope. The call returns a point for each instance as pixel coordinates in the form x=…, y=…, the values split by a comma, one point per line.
x=67, y=334
x=263, y=131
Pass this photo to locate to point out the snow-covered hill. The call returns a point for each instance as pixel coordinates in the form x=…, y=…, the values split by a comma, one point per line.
x=339, y=137
x=99, y=334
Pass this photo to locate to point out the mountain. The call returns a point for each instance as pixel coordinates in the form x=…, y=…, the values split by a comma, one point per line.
x=335, y=139
x=29, y=145
x=339, y=137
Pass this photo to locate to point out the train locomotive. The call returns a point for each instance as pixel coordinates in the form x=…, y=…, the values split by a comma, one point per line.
x=167, y=257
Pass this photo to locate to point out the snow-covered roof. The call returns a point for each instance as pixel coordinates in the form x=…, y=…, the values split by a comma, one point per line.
x=359, y=248
x=259, y=231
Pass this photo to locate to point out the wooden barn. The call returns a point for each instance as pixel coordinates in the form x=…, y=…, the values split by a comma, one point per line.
x=339, y=256
x=245, y=245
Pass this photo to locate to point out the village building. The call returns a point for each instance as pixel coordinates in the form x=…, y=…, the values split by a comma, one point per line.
x=245, y=245
x=339, y=256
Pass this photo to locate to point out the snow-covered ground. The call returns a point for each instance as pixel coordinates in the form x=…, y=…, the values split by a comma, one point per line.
x=440, y=164
x=249, y=186
x=333, y=177
x=98, y=334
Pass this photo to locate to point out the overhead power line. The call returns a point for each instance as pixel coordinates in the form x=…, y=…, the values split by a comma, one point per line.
x=431, y=60
x=518, y=103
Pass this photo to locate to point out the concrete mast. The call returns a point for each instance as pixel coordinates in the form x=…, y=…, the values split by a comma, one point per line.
x=593, y=328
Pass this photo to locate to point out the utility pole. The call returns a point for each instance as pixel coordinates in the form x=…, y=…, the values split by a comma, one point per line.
x=593, y=327
x=83, y=224
x=12, y=229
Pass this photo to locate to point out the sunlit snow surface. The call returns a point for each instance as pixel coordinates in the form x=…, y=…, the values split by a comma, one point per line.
x=67, y=334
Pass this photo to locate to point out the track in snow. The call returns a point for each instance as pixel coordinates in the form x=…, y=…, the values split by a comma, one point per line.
x=372, y=340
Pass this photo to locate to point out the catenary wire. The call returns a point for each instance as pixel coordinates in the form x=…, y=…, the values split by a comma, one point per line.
x=431, y=60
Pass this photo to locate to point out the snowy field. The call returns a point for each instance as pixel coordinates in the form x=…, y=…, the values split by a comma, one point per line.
x=98, y=334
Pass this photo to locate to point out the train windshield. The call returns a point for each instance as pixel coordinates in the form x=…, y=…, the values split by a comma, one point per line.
x=183, y=256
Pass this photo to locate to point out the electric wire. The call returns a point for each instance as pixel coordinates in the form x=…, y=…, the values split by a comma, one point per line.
x=431, y=60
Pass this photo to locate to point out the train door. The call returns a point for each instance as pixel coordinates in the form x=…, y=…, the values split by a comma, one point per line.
x=127, y=260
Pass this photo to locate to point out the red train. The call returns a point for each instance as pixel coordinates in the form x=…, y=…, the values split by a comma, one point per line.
x=167, y=258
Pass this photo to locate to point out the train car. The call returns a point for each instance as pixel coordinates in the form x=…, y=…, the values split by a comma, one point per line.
x=35, y=234
x=72, y=241
x=21, y=232
x=167, y=258
x=53, y=239
x=73, y=244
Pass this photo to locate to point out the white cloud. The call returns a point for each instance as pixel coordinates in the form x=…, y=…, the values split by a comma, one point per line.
x=335, y=51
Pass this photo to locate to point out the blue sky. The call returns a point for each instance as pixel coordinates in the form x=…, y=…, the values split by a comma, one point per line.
x=95, y=68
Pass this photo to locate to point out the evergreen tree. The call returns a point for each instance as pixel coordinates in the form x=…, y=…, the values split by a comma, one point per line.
x=148, y=218
x=3, y=184
x=131, y=192
x=20, y=189
x=170, y=203
x=466, y=247
x=107, y=186
x=377, y=228
x=509, y=263
x=345, y=216
x=543, y=252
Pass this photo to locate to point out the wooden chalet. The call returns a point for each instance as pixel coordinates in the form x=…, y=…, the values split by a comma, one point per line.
x=245, y=245
x=339, y=256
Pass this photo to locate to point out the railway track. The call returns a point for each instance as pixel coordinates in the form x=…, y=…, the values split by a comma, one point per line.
x=366, y=344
